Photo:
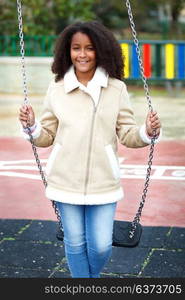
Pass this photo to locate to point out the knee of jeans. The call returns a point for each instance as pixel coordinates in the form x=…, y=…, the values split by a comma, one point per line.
x=100, y=249
x=75, y=243
x=74, y=248
x=99, y=243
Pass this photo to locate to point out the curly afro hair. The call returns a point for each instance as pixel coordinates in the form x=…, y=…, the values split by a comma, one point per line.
x=107, y=48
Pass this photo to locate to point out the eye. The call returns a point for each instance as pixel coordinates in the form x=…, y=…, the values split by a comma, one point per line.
x=91, y=48
x=75, y=48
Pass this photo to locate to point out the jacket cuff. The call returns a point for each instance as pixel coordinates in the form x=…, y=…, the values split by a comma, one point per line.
x=147, y=139
x=35, y=131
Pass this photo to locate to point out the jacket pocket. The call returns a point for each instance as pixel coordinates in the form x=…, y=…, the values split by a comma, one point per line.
x=52, y=158
x=113, y=161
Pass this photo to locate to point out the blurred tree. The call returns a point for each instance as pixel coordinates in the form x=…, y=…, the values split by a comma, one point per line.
x=70, y=11
x=169, y=12
x=48, y=17
x=151, y=16
x=43, y=16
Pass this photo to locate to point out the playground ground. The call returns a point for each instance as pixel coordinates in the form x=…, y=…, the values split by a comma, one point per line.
x=29, y=223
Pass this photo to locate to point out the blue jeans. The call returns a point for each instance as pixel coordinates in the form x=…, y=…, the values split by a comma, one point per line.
x=87, y=237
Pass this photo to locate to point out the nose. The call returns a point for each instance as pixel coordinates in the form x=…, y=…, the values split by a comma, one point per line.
x=82, y=53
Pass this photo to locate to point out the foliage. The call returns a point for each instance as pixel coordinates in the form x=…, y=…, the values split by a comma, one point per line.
x=44, y=17
x=47, y=17
x=147, y=16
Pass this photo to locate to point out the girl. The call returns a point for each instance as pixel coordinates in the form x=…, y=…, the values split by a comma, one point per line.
x=86, y=110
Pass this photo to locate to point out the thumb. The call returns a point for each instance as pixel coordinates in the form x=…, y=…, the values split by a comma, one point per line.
x=29, y=108
x=30, y=111
x=31, y=114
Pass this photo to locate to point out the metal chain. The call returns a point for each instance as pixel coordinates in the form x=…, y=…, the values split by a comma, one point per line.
x=136, y=220
x=136, y=42
x=26, y=101
x=22, y=52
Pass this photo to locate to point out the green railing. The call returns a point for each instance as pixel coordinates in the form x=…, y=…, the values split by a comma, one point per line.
x=38, y=45
x=162, y=60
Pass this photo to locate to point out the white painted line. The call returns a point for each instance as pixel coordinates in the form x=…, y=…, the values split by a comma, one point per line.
x=21, y=175
x=152, y=177
x=153, y=167
x=178, y=173
x=13, y=162
x=159, y=172
x=128, y=171
x=31, y=168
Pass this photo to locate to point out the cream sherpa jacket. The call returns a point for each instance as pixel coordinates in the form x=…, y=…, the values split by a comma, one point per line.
x=84, y=125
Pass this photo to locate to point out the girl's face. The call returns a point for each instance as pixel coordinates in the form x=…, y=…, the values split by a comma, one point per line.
x=83, y=54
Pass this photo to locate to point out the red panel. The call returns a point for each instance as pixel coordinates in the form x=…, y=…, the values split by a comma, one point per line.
x=147, y=60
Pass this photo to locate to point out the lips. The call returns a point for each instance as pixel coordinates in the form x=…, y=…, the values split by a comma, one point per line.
x=83, y=62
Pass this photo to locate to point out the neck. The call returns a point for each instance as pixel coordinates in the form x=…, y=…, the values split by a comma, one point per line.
x=84, y=78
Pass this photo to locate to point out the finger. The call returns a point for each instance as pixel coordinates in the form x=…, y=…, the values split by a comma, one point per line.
x=23, y=115
x=24, y=109
x=148, y=117
x=155, y=116
x=153, y=113
x=156, y=125
x=155, y=119
x=30, y=109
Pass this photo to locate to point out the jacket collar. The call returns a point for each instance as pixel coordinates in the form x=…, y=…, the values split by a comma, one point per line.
x=100, y=79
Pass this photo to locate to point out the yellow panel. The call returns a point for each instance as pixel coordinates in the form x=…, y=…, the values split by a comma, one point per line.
x=169, y=61
x=125, y=52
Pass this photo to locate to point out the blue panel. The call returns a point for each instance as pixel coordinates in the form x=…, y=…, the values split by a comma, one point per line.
x=135, y=63
x=181, y=61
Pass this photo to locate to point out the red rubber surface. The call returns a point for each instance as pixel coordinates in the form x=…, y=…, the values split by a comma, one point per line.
x=24, y=198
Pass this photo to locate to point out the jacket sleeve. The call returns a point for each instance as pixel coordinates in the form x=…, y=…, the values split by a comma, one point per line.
x=46, y=129
x=126, y=128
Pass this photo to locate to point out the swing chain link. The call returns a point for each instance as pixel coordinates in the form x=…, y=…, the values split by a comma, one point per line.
x=22, y=52
x=23, y=69
x=137, y=217
x=136, y=42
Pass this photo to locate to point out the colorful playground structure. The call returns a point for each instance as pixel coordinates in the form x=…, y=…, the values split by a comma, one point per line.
x=162, y=59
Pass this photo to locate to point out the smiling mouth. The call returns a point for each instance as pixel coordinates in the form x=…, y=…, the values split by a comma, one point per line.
x=82, y=62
